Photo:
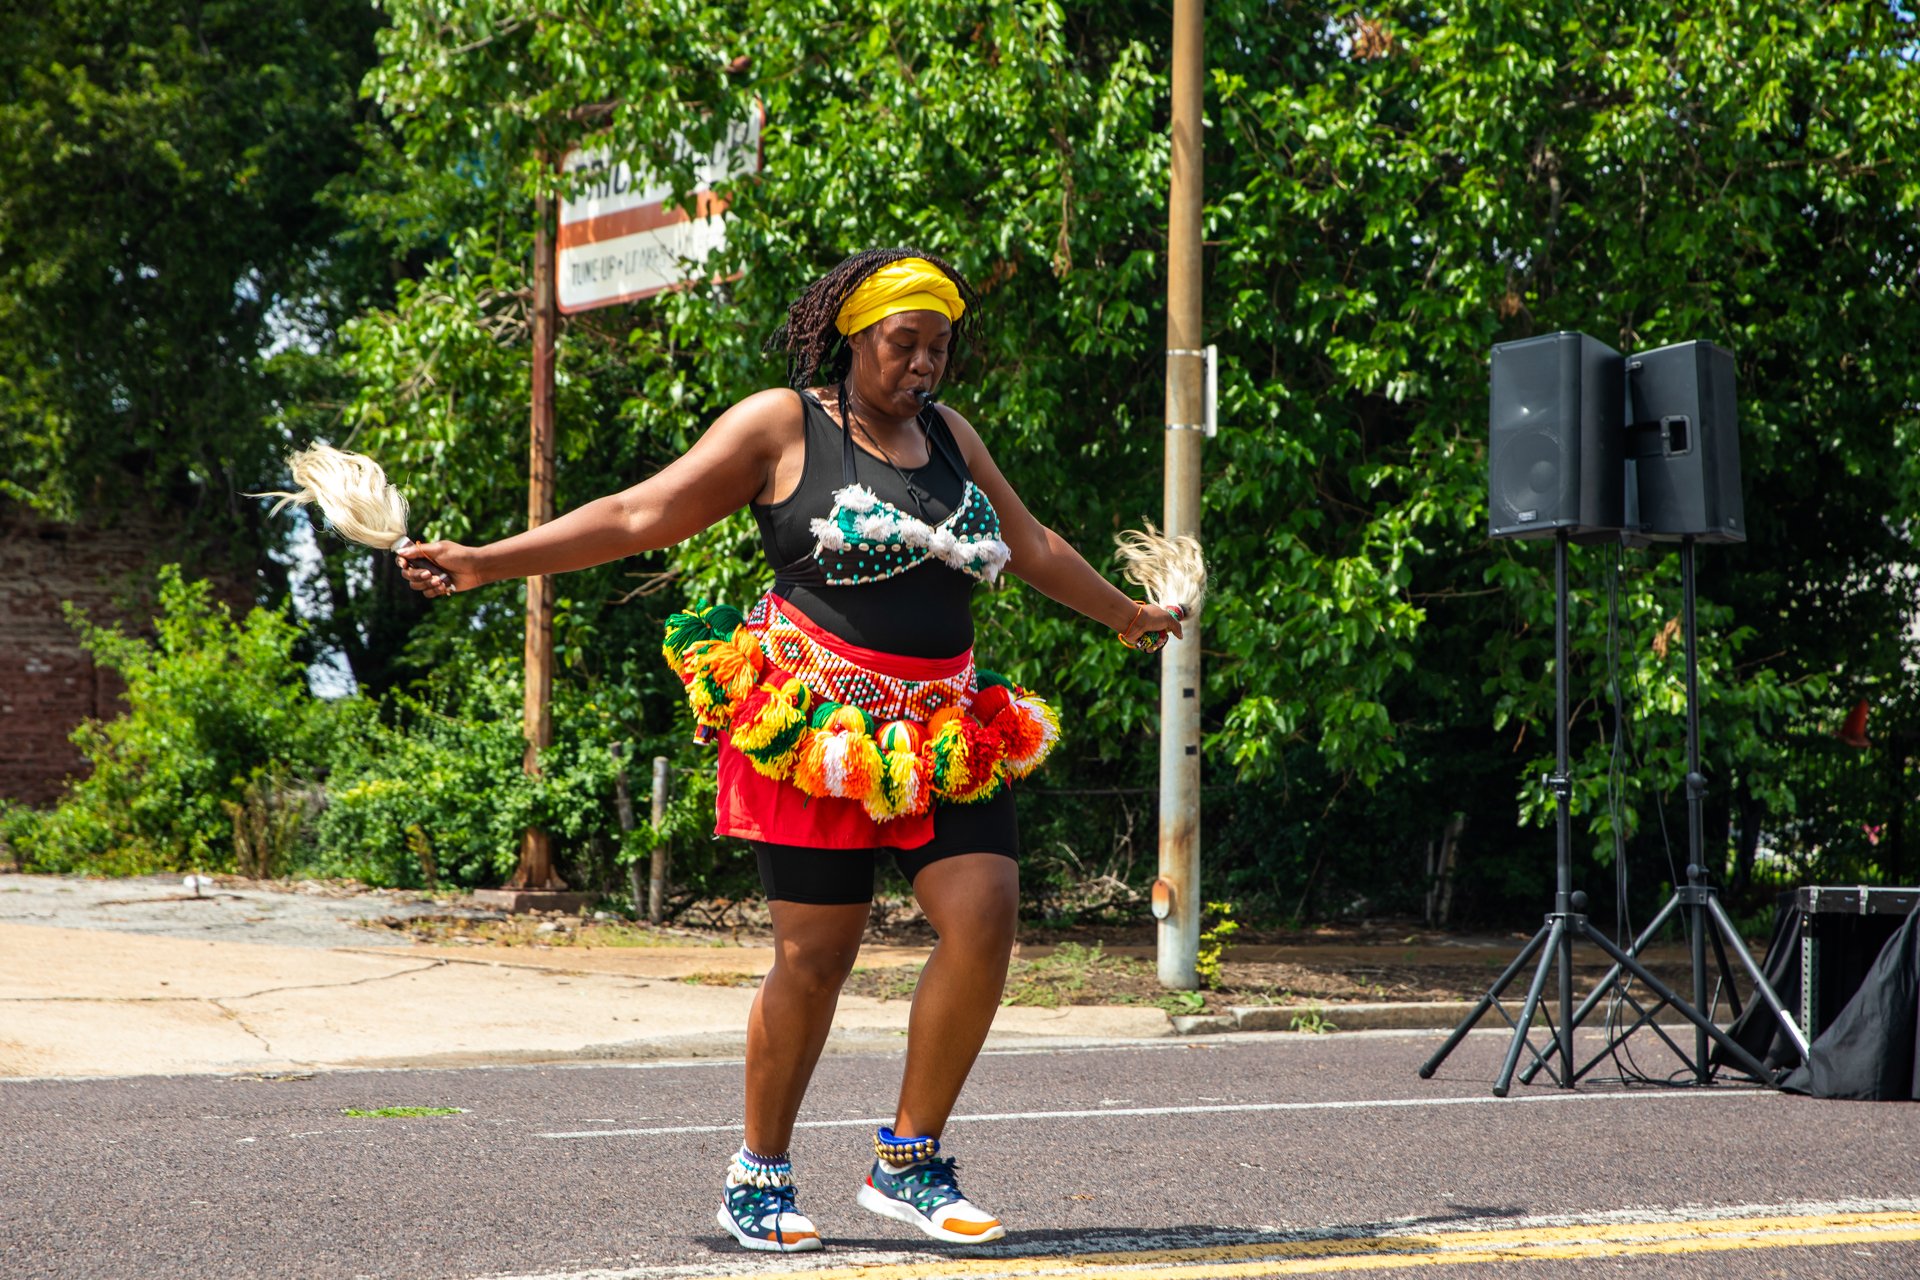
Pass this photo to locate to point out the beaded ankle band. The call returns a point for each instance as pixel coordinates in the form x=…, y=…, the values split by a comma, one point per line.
x=897, y=1150
x=762, y=1171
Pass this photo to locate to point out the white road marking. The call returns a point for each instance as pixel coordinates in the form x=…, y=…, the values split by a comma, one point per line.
x=1373, y=1104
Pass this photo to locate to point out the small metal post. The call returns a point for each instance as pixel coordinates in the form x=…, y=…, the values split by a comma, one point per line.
x=657, y=877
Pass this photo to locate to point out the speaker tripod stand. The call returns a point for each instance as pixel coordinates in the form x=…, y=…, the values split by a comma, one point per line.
x=1553, y=944
x=1699, y=904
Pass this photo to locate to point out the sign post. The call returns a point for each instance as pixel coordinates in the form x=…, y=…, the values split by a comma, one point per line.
x=617, y=241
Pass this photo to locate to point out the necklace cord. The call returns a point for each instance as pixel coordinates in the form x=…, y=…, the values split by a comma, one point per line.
x=846, y=427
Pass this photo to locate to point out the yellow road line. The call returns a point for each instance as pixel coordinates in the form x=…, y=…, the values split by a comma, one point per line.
x=1434, y=1248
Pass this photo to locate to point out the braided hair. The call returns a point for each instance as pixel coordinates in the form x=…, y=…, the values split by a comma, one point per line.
x=815, y=348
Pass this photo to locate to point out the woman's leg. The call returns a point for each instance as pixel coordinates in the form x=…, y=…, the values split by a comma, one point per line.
x=972, y=900
x=814, y=946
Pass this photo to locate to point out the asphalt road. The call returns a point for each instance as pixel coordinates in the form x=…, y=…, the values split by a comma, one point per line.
x=1238, y=1156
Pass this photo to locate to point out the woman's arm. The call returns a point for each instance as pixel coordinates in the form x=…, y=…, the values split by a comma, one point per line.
x=1046, y=561
x=728, y=467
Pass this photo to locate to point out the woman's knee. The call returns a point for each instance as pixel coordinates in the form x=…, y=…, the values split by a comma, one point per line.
x=973, y=899
x=817, y=969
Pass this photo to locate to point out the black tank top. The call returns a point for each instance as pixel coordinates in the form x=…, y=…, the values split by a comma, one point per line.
x=921, y=612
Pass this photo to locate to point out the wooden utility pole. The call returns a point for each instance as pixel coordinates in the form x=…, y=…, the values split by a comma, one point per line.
x=535, y=871
x=1179, y=931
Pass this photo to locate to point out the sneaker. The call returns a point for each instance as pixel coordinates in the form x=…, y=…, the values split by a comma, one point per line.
x=767, y=1218
x=926, y=1196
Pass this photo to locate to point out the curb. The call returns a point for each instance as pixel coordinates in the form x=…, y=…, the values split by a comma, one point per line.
x=1439, y=1015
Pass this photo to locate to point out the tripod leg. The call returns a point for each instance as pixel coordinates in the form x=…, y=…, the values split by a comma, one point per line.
x=1555, y=935
x=1760, y=984
x=1486, y=1002
x=1599, y=993
x=1726, y=975
x=1701, y=1023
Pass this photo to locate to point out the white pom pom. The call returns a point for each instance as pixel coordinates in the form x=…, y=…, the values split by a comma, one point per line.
x=857, y=497
x=828, y=534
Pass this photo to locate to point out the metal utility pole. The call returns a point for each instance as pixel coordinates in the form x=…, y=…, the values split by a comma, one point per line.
x=535, y=871
x=1179, y=890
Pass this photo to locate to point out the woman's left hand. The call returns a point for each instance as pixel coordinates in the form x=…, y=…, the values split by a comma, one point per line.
x=1150, y=628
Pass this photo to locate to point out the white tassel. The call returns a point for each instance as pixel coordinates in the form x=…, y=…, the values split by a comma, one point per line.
x=1171, y=571
x=351, y=491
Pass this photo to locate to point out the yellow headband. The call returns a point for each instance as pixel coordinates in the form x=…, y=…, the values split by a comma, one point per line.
x=911, y=284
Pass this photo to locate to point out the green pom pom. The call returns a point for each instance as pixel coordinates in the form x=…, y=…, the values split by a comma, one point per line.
x=985, y=679
x=701, y=623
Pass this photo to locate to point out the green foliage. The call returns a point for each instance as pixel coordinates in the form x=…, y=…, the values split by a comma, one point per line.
x=160, y=239
x=1390, y=190
x=430, y=788
x=214, y=707
x=1213, y=943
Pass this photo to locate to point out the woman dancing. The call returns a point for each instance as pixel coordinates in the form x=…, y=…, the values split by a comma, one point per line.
x=850, y=718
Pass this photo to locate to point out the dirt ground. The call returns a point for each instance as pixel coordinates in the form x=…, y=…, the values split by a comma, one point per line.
x=1375, y=961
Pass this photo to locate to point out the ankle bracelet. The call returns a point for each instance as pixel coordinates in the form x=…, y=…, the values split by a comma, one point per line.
x=897, y=1150
x=750, y=1166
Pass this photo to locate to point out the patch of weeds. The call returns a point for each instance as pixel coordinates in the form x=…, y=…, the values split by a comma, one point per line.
x=722, y=978
x=400, y=1113
x=1312, y=1020
x=1213, y=944
x=886, y=982
x=1071, y=975
x=1180, y=1003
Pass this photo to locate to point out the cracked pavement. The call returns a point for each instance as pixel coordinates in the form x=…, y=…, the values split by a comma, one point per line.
x=120, y=978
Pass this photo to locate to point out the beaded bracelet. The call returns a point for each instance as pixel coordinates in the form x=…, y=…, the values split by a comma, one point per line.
x=897, y=1150
x=1151, y=641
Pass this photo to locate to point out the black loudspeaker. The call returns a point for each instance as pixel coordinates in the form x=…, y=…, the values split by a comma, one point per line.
x=1555, y=449
x=1683, y=446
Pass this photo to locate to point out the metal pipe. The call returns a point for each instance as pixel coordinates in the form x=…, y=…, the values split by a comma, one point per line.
x=657, y=872
x=1179, y=931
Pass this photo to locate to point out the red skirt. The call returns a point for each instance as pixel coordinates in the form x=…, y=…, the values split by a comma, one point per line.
x=752, y=806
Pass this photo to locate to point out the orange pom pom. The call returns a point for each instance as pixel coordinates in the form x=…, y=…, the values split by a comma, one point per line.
x=962, y=757
x=838, y=757
x=1028, y=730
x=720, y=673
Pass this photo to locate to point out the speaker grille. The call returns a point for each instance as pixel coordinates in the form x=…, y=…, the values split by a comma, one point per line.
x=1555, y=452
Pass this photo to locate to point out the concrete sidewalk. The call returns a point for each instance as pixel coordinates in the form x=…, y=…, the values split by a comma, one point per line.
x=88, y=1003
x=153, y=976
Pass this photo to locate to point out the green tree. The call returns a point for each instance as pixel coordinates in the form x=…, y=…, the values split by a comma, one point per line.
x=163, y=256
x=1391, y=190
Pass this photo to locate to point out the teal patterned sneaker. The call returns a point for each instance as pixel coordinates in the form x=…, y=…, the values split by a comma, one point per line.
x=925, y=1195
x=759, y=1207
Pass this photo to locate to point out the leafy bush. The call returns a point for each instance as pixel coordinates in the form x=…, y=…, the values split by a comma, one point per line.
x=213, y=706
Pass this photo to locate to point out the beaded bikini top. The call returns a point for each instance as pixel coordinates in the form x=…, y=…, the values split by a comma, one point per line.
x=865, y=538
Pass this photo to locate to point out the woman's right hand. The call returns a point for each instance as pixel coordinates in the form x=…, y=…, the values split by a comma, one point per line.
x=438, y=569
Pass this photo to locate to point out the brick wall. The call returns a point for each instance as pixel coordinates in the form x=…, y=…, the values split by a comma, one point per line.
x=48, y=683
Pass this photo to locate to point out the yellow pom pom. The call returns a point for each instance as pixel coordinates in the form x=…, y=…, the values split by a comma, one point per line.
x=769, y=723
x=720, y=673
x=903, y=788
